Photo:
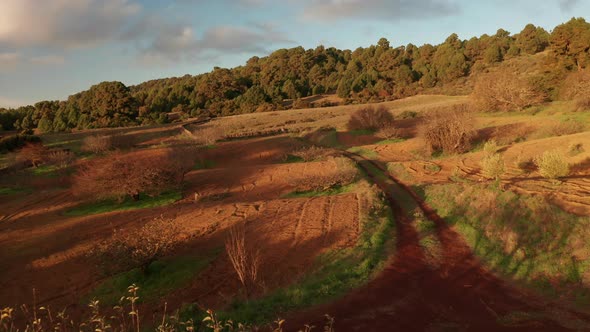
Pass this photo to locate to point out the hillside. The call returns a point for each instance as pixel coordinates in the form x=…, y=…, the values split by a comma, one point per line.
x=376, y=73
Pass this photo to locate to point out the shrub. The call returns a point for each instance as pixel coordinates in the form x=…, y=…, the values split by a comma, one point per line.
x=576, y=87
x=492, y=166
x=490, y=147
x=245, y=262
x=11, y=143
x=208, y=136
x=389, y=133
x=342, y=172
x=408, y=115
x=552, y=165
x=448, y=131
x=61, y=158
x=566, y=128
x=311, y=153
x=505, y=90
x=370, y=118
x=120, y=175
x=96, y=144
x=138, y=248
x=33, y=153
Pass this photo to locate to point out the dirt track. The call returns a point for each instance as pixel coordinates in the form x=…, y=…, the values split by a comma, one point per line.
x=459, y=295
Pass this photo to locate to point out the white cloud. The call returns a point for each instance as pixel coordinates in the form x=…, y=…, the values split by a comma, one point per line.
x=63, y=23
x=322, y=10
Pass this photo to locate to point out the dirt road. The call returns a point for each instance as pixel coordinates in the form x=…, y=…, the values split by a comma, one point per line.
x=458, y=295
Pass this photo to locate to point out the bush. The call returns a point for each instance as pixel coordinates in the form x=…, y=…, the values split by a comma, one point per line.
x=342, y=173
x=389, y=133
x=208, y=136
x=96, y=144
x=11, y=143
x=33, y=154
x=311, y=153
x=448, y=131
x=370, y=118
x=120, y=175
x=61, y=158
x=566, y=128
x=505, y=90
x=490, y=148
x=138, y=248
x=492, y=166
x=575, y=149
x=552, y=165
x=576, y=87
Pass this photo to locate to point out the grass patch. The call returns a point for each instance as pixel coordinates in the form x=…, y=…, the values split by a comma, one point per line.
x=144, y=202
x=162, y=277
x=338, y=272
x=521, y=237
x=361, y=132
x=337, y=190
x=45, y=171
x=399, y=171
x=13, y=191
x=366, y=153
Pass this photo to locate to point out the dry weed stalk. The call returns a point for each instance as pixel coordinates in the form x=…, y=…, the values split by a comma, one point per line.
x=245, y=262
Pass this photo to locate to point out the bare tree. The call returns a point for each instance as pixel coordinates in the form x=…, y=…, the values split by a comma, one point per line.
x=245, y=262
x=370, y=118
x=448, y=131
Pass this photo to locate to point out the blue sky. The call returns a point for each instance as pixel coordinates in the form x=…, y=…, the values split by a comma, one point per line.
x=50, y=49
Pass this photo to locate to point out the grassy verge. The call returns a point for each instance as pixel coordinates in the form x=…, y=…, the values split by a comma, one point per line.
x=317, y=193
x=366, y=153
x=337, y=273
x=162, y=277
x=524, y=238
x=144, y=202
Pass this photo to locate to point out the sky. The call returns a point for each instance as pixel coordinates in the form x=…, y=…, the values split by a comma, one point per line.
x=50, y=49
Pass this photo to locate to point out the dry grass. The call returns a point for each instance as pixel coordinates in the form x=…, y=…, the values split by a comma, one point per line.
x=96, y=144
x=208, y=136
x=61, y=158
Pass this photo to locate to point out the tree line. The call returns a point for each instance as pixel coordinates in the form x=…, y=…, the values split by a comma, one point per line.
x=376, y=73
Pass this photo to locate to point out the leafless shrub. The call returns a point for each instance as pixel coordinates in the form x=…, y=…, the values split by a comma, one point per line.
x=245, y=262
x=566, y=128
x=32, y=154
x=505, y=90
x=552, y=165
x=512, y=133
x=96, y=144
x=61, y=158
x=311, y=153
x=576, y=87
x=208, y=136
x=370, y=118
x=138, y=248
x=120, y=175
x=342, y=172
x=389, y=132
x=448, y=131
x=370, y=197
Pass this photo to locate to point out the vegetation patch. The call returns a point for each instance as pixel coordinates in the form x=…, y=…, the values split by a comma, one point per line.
x=338, y=272
x=111, y=205
x=522, y=237
x=391, y=141
x=364, y=152
x=336, y=190
x=204, y=164
x=13, y=191
x=162, y=277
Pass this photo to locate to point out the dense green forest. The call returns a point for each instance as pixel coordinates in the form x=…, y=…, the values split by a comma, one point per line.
x=379, y=72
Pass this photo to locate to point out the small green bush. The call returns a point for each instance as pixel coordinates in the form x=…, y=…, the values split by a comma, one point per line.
x=492, y=166
x=552, y=165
